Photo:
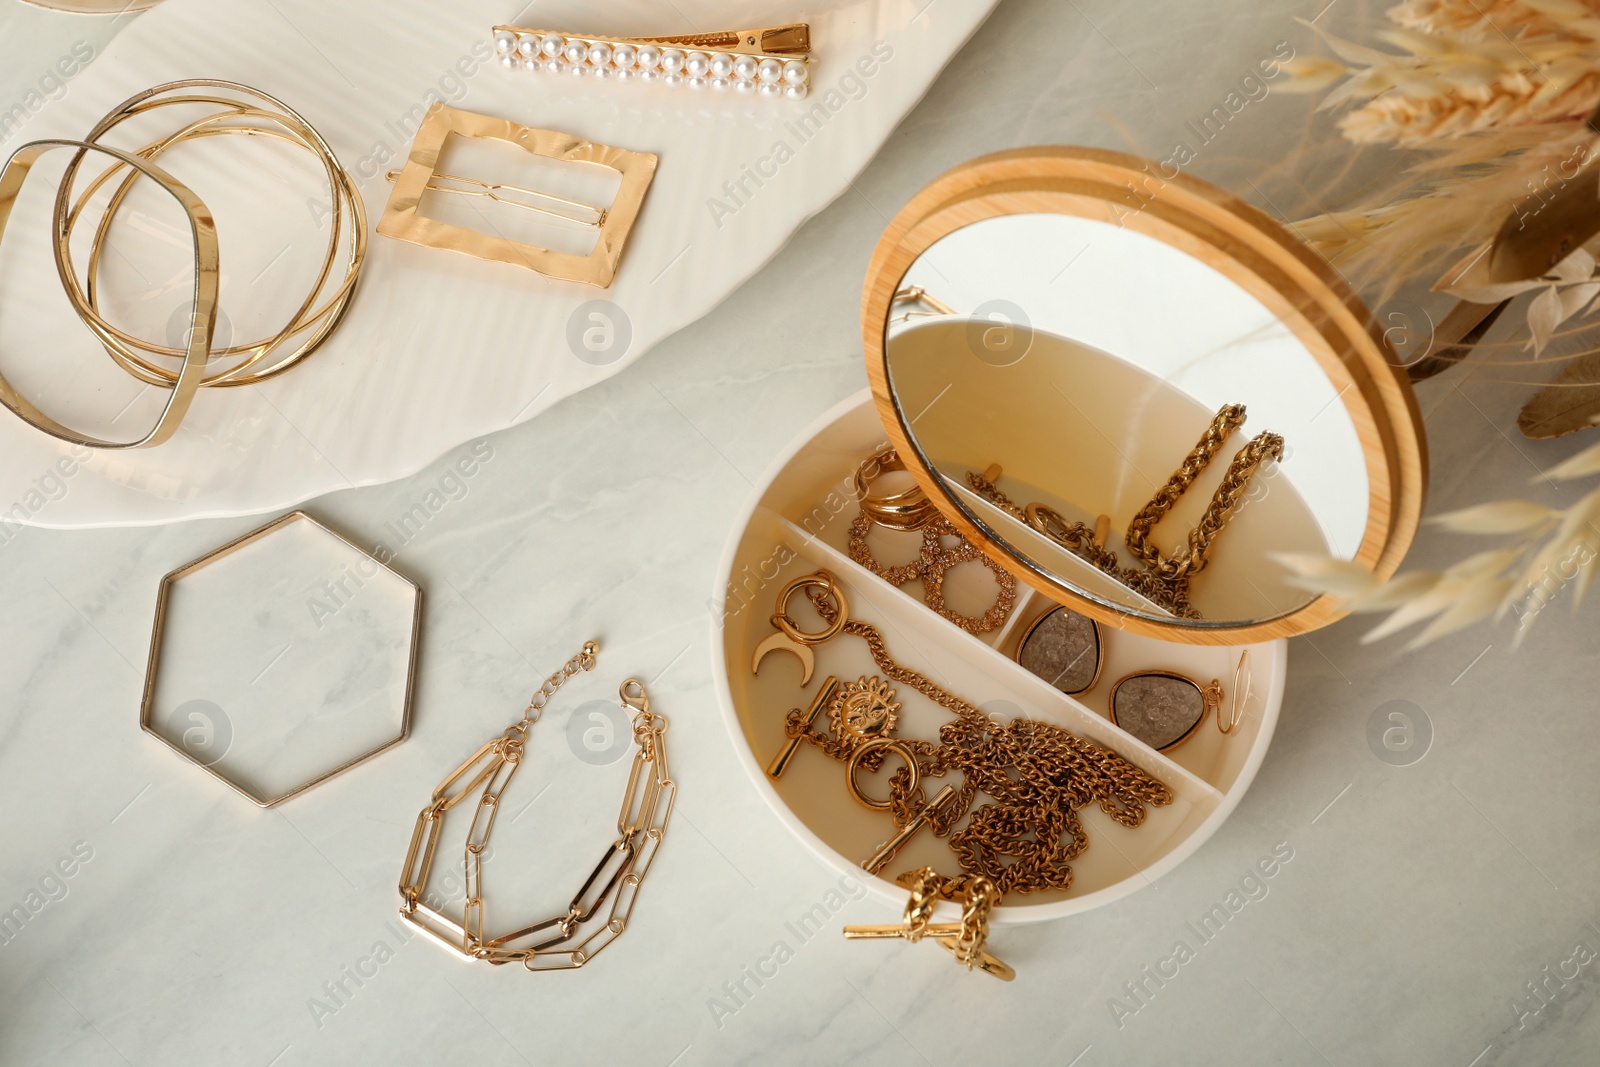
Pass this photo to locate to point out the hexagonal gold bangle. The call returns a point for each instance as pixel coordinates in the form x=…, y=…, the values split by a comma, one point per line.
x=147, y=706
x=202, y=318
x=402, y=221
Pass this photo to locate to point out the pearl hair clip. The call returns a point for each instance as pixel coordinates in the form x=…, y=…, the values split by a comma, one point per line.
x=775, y=61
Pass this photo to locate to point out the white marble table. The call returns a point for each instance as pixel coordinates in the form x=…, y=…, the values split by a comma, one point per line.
x=1410, y=909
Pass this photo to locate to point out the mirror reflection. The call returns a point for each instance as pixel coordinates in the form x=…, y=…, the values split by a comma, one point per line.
x=1123, y=418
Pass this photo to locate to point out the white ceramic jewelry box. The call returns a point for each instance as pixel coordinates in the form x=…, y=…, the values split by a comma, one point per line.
x=797, y=522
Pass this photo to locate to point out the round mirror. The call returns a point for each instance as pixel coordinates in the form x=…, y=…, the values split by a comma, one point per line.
x=1134, y=390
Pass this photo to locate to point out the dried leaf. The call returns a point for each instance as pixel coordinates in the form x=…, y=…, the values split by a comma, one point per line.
x=1579, y=465
x=1351, y=52
x=1431, y=603
x=1574, y=298
x=1475, y=603
x=1490, y=294
x=1544, y=315
x=1500, y=517
x=1578, y=267
x=1569, y=403
x=1396, y=592
x=1325, y=574
x=1310, y=74
x=1482, y=565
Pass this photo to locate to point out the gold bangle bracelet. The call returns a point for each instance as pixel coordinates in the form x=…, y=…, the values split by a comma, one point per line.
x=130, y=352
x=186, y=382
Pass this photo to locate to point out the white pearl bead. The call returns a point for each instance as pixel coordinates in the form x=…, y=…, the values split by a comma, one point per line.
x=797, y=92
x=695, y=64
x=624, y=56
x=649, y=57
x=504, y=41
x=770, y=89
x=623, y=74
x=554, y=66
x=600, y=54
x=649, y=76
x=796, y=73
x=770, y=71
x=533, y=63
x=721, y=85
x=602, y=72
x=745, y=68
x=672, y=80
x=671, y=60
x=697, y=83
x=742, y=86
x=575, y=51
x=551, y=45
x=527, y=46
x=577, y=70
x=721, y=65
x=509, y=60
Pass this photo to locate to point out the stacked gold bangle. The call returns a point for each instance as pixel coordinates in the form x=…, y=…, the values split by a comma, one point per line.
x=238, y=109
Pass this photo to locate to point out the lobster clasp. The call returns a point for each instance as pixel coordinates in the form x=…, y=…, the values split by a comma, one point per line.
x=633, y=696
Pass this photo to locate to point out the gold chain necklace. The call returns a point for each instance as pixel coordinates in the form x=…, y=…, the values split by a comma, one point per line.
x=551, y=944
x=1038, y=775
x=1164, y=579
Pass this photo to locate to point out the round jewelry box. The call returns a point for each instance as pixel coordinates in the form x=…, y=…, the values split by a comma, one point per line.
x=1039, y=403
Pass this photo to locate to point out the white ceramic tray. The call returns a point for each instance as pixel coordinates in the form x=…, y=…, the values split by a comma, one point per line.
x=799, y=521
x=437, y=348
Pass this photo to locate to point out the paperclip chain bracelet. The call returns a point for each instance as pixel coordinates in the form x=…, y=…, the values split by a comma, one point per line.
x=553, y=944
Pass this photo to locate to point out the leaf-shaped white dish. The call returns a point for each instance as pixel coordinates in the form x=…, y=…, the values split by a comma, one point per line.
x=437, y=348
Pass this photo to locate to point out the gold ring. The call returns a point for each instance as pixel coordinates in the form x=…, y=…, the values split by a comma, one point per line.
x=893, y=745
x=186, y=382
x=909, y=509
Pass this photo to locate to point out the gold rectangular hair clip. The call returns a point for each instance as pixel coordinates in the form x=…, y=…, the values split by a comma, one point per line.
x=402, y=220
x=774, y=61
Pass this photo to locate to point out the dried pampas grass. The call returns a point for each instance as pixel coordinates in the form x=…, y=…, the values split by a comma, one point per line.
x=1493, y=95
x=1548, y=549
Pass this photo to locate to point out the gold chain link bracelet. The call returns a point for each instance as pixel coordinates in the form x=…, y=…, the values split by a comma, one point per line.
x=552, y=944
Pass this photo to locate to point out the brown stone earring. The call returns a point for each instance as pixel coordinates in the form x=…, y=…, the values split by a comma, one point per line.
x=1064, y=648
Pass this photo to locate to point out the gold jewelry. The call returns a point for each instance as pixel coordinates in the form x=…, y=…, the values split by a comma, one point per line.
x=772, y=61
x=964, y=940
x=933, y=562
x=278, y=122
x=824, y=697
x=1163, y=708
x=909, y=509
x=140, y=358
x=1163, y=580
x=1064, y=648
x=1026, y=837
x=403, y=221
x=864, y=710
x=456, y=184
x=790, y=638
x=1085, y=542
x=1242, y=680
x=216, y=767
x=203, y=312
x=641, y=825
x=1177, y=570
x=869, y=748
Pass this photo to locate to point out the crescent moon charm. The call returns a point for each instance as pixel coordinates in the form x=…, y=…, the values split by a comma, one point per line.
x=782, y=643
